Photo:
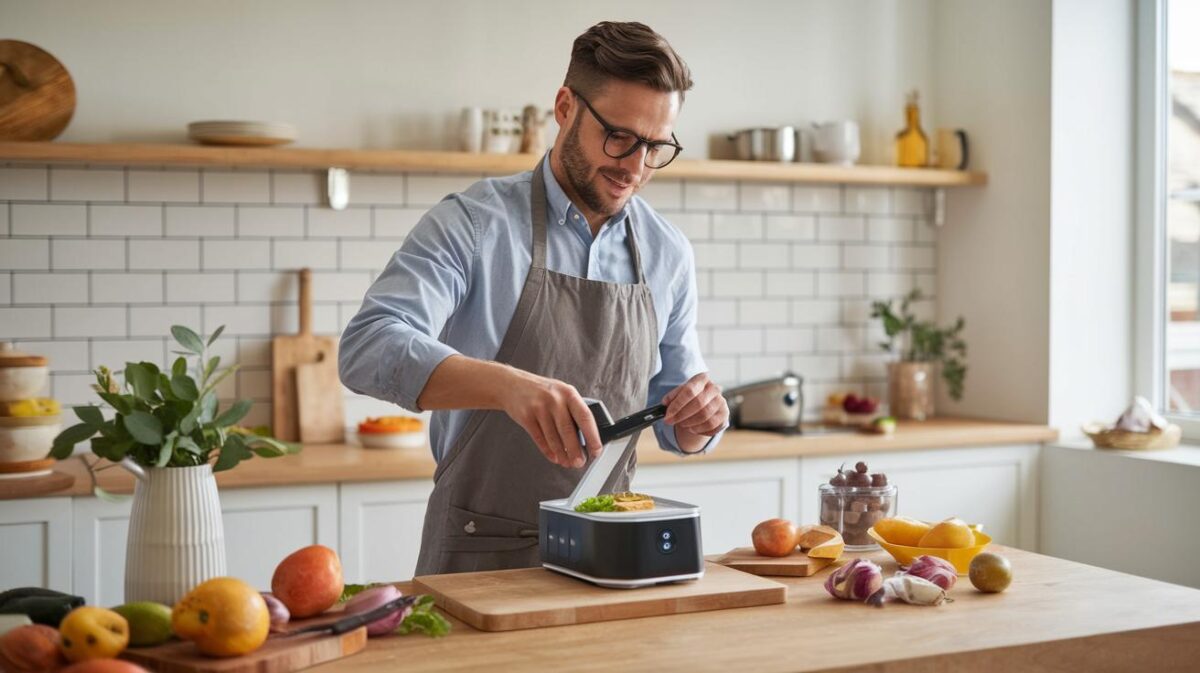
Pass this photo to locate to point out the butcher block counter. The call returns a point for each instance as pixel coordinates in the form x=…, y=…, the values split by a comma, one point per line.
x=1056, y=616
x=338, y=463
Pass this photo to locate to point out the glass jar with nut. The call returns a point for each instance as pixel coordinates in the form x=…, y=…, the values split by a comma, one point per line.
x=853, y=501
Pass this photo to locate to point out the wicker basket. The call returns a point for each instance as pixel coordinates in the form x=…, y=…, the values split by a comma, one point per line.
x=1106, y=438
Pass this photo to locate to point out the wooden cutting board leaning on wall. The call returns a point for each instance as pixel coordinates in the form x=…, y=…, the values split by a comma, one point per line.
x=306, y=393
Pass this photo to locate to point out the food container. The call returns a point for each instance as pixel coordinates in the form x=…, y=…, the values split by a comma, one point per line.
x=24, y=439
x=765, y=144
x=960, y=558
x=853, y=510
x=392, y=432
x=21, y=375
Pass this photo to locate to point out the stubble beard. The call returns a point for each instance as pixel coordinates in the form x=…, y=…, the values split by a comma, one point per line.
x=580, y=171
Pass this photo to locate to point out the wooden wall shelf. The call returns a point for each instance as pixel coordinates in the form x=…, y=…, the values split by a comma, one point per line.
x=126, y=154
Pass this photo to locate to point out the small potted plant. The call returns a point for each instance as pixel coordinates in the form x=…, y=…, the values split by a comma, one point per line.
x=922, y=346
x=169, y=431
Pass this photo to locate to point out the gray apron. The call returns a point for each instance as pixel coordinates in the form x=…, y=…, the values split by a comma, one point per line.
x=599, y=337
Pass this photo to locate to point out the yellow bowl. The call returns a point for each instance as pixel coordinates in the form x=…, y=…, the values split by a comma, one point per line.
x=960, y=558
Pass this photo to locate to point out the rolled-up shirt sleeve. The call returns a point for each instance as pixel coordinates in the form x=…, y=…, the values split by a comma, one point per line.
x=679, y=352
x=390, y=347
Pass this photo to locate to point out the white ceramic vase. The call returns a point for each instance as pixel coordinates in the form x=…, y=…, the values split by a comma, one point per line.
x=176, y=538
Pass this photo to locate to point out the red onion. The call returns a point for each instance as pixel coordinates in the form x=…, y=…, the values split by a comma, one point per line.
x=372, y=598
x=278, y=612
x=937, y=570
x=855, y=581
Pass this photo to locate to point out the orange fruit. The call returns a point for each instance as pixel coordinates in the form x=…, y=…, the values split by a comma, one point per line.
x=309, y=581
x=902, y=530
x=952, y=533
x=224, y=616
x=93, y=633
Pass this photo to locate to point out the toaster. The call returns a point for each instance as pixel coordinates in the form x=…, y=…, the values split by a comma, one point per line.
x=622, y=550
x=770, y=404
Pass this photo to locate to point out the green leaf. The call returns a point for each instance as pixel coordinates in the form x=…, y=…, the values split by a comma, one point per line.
x=425, y=620
x=91, y=415
x=144, y=427
x=233, y=451
x=188, y=444
x=184, y=387
x=269, y=447
x=164, y=453
x=66, y=440
x=180, y=367
x=142, y=378
x=121, y=403
x=108, y=496
x=210, y=367
x=208, y=407
x=188, y=339
x=216, y=333
x=233, y=414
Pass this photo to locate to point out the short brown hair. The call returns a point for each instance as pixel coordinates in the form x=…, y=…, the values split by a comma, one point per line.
x=628, y=51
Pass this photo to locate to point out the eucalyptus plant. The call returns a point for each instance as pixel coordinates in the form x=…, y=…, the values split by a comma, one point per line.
x=169, y=418
x=924, y=341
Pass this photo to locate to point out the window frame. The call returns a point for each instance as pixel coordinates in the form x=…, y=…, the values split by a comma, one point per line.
x=1149, y=312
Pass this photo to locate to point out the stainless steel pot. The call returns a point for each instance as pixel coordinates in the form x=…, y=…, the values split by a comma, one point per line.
x=771, y=404
x=765, y=144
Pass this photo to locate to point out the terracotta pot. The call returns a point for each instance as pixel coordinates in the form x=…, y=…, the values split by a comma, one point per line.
x=910, y=389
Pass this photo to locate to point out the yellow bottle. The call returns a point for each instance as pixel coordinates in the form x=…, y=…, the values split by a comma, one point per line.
x=912, y=147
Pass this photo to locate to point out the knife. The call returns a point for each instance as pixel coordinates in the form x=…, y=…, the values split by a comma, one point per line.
x=616, y=438
x=354, y=621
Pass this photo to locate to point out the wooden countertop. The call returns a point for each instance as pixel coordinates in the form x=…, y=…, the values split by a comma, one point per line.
x=1056, y=616
x=323, y=464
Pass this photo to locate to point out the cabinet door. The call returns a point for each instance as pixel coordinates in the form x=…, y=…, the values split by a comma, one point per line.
x=733, y=495
x=381, y=529
x=993, y=486
x=35, y=543
x=262, y=525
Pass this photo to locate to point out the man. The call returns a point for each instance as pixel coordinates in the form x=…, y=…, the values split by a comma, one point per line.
x=512, y=301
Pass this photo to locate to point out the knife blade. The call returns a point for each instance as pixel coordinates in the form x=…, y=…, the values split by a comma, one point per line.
x=354, y=621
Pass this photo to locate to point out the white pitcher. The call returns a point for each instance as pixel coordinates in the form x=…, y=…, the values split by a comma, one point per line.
x=176, y=537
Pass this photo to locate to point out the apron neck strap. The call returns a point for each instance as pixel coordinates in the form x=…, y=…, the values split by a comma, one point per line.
x=537, y=209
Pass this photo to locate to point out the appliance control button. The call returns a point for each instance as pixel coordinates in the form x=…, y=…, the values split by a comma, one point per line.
x=667, y=546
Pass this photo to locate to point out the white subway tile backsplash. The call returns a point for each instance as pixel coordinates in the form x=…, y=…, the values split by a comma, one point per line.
x=785, y=284
x=5, y=288
x=737, y=227
x=244, y=319
x=396, y=222
x=20, y=254
x=762, y=312
x=24, y=323
x=839, y=339
x=864, y=257
x=913, y=257
x=24, y=184
x=114, y=354
x=4, y=229
x=883, y=284
x=266, y=286
x=87, y=184
x=285, y=318
x=907, y=201
x=90, y=321
x=737, y=283
x=737, y=341
x=889, y=229
x=254, y=384
x=816, y=368
x=164, y=253
x=49, y=288
x=78, y=253
x=340, y=286
x=663, y=194
x=816, y=311
x=723, y=369
x=73, y=389
x=200, y=221
x=703, y=283
x=299, y=188
x=698, y=195
x=143, y=287
x=61, y=356
x=840, y=228
x=924, y=231
x=839, y=283
x=926, y=283
x=126, y=220
x=157, y=320
x=764, y=196
x=717, y=313
x=816, y=256
x=367, y=255
x=235, y=187
x=427, y=190
x=763, y=256
x=48, y=219
x=376, y=188
x=299, y=254
x=195, y=288
x=164, y=186
x=252, y=352
x=755, y=367
x=856, y=311
x=791, y=227
x=221, y=255
x=809, y=199
x=348, y=223
x=860, y=367
x=867, y=200
x=785, y=340
x=285, y=222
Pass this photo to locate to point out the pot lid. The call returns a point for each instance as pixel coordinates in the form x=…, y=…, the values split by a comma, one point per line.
x=11, y=357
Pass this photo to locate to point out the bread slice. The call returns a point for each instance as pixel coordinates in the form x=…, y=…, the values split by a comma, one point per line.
x=632, y=502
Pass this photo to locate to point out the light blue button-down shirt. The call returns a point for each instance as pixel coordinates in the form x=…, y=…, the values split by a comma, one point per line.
x=453, y=286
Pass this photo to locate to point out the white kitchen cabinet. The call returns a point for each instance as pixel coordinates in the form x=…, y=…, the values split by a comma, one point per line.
x=733, y=496
x=381, y=529
x=262, y=525
x=35, y=543
x=993, y=486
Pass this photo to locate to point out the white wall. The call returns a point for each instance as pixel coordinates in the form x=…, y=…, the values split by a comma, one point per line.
x=993, y=78
x=381, y=73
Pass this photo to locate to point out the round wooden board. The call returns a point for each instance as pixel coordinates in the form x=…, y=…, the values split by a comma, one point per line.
x=37, y=96
x=34, y=486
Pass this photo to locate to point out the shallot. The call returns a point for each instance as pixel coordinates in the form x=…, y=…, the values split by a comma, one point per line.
x=910, y=589
x=374, y=597
x=277, y=611
x=856, y=581
x=937, y=570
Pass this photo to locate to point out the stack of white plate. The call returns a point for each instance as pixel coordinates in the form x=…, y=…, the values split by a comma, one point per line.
x=241, y=133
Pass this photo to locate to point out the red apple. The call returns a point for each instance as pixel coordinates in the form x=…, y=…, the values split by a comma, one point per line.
x=774, y=537
x=850, y=403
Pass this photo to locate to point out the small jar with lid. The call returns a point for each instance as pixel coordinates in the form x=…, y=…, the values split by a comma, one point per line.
x=852, y=505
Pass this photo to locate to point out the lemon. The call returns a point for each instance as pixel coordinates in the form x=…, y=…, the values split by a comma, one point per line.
x=949, y=534
x=93, y=633
x=224, y=616
x=149, y=622
x=902, y=530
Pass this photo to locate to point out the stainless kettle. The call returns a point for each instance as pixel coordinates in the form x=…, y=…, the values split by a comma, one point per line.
x=770, y=404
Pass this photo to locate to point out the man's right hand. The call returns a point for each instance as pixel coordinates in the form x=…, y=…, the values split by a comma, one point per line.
x=553, y=413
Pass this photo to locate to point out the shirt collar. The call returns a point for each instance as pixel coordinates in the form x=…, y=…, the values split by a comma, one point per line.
x=560, y=205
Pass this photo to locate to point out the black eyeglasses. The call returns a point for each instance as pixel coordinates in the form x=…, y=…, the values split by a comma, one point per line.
x=620, y=143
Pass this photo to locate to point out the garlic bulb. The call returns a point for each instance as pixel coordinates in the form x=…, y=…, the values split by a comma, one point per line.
x=909, y=589
x=937, y=570
x=855, y=581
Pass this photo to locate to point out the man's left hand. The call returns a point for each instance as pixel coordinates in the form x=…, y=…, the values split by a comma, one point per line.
x=697, y=407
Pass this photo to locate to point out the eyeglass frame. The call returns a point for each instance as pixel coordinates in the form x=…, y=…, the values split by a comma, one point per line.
x=609, y=129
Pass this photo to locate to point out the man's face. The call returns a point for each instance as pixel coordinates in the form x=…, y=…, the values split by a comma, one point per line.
x=602, y=183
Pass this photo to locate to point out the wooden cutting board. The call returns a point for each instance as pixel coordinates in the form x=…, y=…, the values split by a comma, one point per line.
x=798, y=564
x=319, y=403
x=277, y=655
x=37, y=96
x=506, y=600
x=290, y=351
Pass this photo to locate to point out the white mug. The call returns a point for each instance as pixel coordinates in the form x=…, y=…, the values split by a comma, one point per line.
x=470, y=130
x=836, y=142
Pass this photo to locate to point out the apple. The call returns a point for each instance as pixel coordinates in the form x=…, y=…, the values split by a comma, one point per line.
x=774, y=537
